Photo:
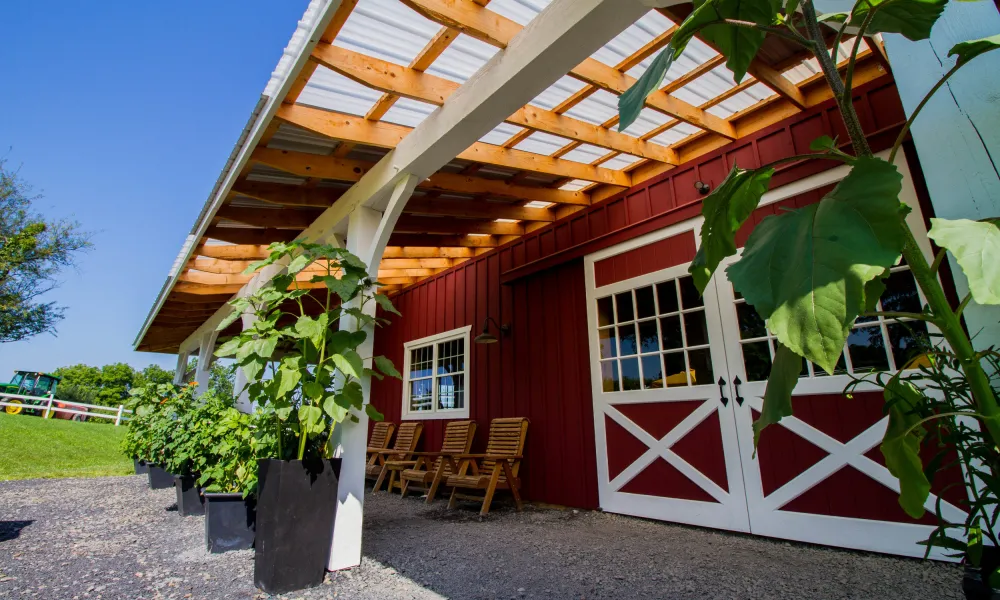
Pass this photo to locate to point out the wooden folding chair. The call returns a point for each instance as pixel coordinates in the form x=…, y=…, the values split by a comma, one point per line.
x=407, y=437
x=379, y=440
x=496, y=469
x=431, y=468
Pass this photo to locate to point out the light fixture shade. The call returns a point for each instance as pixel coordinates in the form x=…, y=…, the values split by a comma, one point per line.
x=486, y=338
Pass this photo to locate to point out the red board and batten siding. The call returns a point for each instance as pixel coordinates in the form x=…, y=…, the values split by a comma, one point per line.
x=536, y=283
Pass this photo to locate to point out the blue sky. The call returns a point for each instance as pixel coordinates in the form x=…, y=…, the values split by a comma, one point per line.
x=122, y=115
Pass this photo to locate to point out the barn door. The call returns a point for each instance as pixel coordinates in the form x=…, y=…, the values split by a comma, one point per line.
x=665, y=427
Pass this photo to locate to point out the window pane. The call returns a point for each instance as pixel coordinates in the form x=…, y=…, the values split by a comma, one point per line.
x=609, y=375
x=451, y=357
x=909, y=340
x=676, y=369
x=701, y=367
x=623, y=302
x=666, y=295
x=421, y=362
x=867, y=349
x=652, y=372
x=645, y=307
x=607, y=341
x=901, y=293
x=671, y=327
x=649, y=340
x=451, y=392
x=626, y=339
x=696, y=329
x=840, y=369
x=630, y=374
x=605, y=312
x=757, y=360
x=421, y=396
x=690, y=298
x=751, y=325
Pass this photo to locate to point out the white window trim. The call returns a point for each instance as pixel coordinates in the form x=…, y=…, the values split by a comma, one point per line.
x=457, y=413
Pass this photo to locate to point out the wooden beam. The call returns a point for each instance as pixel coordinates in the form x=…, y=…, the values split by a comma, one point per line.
x=359, y=130
x=278, y=218
x=436, y=241
x=416, y=85
x=416, y=263
x=494, y=29
x=387, y=274
x=413, y=224
x=242, y=235
x=342, y=169
x=329, y=34
x=477, y=209
x=287, y=195
x=425, y=252
x=232, y=252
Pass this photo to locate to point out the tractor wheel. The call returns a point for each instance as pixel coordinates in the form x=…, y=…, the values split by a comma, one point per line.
x=14, y=410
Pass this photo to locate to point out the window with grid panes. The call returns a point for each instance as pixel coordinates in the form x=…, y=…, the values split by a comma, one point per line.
x=874, y=344
x=435, y=376
x=654, y=337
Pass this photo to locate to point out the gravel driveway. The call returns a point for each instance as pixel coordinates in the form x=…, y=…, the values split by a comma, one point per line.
x=112, y=538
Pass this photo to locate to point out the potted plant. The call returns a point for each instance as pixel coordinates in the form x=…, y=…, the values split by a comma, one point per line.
x=314, y=383
x=189, y=439
x=148, y=431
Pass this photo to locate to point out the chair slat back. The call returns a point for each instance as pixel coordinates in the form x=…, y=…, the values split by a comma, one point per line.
x=381, y=433
x=406, y=438
x=506, y=439
x=457, y=440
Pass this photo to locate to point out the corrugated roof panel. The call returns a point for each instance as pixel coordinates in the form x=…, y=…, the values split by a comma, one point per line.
x=501, y=133
x=675, y=134
x=542, y=143
x=708, y=86
x=648, y=120
x=748, y=97
x=299, y=140
x=538, y=204
x=636, y=36
x=575, y=185
x=386, y=30
x=558, y=92
x=596, y=108
x=620, y=162
x=585, y=154
x=519, y=11
x=270, y=175
x=462, y=58
x=408, y=112
x=332, y=91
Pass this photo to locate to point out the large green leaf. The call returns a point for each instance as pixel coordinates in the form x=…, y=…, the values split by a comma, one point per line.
x=725, y=210
x=966, y=51
x=911, y=18
x=785, y=372
x=740, y=44
x=976, y=246
x=805, y=271
x=631, y=102
x=349, y=363
x=386, y=304
x=311, y=419
x=901, y=445
x=385, y=365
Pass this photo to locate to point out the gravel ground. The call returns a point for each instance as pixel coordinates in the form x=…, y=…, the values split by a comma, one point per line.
x=112, y=538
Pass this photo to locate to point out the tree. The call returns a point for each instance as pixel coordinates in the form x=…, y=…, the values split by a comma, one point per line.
x=32, y=253
x=153, y=375
x=108, y=385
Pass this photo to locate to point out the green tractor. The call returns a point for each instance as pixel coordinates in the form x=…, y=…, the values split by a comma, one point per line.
x=41, y=386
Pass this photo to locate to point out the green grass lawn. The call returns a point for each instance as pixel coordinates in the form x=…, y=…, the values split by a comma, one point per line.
x=32, y=447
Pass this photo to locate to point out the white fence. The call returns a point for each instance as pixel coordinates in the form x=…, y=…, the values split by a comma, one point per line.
x=51, y=405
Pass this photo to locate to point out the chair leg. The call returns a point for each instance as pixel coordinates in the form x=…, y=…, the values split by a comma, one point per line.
x=438, y=476
x=511, y=484
x=381, y=478
x=453, y=502
x=403, y=488
x=490, y=490
x=392, y=479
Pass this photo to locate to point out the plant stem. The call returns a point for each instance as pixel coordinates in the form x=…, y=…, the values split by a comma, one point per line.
x=916, y=111
x=899, y=315
x=938, y=260
x=849, y=75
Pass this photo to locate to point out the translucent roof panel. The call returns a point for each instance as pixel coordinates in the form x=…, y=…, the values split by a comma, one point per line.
x=745, y=99
x=501, y=133
x=575, y=185
x=519, y=11
x=695, y=54
x=675, y=134
x=630, y=41
x=408, y=112
x=620, y=162
x=558, y=92
x=542, y=143
x=807, y=69
x=710, y=85
x=597, y=108
x=332, y=91
x=462, y=58
x=585, y=153
x=648, y=120
x=385, y=30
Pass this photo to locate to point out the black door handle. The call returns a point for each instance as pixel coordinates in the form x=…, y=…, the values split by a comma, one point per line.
x=722, y=392
x=736, y=384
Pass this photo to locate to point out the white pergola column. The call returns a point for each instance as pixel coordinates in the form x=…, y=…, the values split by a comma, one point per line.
x=243, y=403
x=206, y=355
x=956, y=133
x=182, y=365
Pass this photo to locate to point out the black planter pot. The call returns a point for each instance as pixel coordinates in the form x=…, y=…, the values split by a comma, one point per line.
x=975, y=583
x=159, y=478
x=296, y=506
x=189, y=500
x=141, y=467
x=230, y=522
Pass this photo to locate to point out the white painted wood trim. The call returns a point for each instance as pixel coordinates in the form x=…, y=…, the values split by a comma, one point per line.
x=462, y=333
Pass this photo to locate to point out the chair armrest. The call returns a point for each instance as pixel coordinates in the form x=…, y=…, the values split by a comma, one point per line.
x=401, y=462
x=503, y=457
x=433, y=454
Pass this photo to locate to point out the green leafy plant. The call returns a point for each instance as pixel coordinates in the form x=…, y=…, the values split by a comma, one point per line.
x=157, y=411
x=236, y=442
x=300, y=366
x=834, y=255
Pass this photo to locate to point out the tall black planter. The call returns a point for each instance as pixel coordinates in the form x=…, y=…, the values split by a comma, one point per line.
x=229, y=522
x=975, y=583
x=189, y=500
x=159, y=478
x=141, y=467
x=296, y=506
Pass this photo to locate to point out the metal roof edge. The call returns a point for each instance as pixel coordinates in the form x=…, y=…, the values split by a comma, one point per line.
x=307, y=34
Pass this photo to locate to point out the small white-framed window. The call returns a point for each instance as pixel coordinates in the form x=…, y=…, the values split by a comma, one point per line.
x=436, y=376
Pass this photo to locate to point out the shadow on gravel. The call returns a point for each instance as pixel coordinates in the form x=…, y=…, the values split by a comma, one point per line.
x=10, y=530
x=171, y=508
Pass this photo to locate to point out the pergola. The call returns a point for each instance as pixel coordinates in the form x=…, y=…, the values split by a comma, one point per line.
x=420, y=133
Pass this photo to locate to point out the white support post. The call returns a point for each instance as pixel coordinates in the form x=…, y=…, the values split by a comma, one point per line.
x=956, y=133
x=118, y=419
x=346, y=550
x=182, y=363
x=243, y=403
x=206, y=354
x=48, y=409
